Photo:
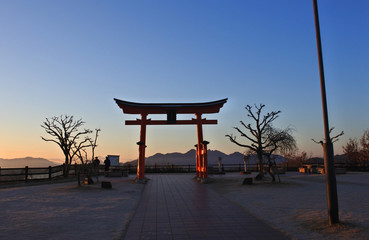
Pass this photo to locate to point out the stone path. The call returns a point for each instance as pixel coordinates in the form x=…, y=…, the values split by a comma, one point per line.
x=173, y=206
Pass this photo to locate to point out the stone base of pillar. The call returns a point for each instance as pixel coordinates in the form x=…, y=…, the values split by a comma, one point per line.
x=142, y=181
x=203, y=180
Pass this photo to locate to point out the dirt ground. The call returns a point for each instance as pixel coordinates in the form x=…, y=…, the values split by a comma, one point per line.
x=298, y=204
x=66, y=211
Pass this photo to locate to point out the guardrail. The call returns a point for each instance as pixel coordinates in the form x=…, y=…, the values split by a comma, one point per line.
x=27, y=174
x=171, y=168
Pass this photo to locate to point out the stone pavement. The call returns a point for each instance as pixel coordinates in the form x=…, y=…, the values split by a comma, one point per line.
x=174, y=206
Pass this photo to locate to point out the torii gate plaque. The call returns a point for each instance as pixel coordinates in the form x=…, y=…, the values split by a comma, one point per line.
x=171, y=110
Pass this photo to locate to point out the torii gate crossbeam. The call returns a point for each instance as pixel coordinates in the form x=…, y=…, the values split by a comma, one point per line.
x=172, y=109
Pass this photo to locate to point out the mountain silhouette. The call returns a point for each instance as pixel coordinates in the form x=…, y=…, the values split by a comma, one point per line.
x=189, y=158
x=27, y=161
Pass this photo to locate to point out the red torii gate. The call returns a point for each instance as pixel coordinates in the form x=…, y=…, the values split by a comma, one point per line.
x=172, y=109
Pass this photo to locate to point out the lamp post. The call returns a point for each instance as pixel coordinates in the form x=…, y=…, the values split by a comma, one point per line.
x=330, y=175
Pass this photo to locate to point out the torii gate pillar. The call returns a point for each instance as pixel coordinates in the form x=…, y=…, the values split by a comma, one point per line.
x=201, y=150
x=141, y=149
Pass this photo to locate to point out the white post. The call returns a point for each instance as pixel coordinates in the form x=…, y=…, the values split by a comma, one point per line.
x=244, y=160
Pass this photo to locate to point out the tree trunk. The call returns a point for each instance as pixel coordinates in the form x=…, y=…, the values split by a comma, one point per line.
x=270, y=167
x=260, y=160
x=66, y=166
x=271, y=173
x=260, y=176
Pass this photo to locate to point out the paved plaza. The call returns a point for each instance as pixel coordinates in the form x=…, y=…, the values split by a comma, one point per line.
x=174, y=206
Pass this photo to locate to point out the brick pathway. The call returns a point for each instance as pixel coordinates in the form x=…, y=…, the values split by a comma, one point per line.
x=173, y=206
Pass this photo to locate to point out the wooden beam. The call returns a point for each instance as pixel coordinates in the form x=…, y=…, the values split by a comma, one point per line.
x=162, y=108
x=164, y=122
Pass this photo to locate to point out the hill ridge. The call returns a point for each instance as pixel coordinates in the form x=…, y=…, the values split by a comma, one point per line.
x=26, y=161
x=189, y=157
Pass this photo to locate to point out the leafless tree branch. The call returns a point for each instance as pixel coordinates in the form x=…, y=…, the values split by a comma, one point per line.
x=333, y=139
x=65, y=132
x=263, y=139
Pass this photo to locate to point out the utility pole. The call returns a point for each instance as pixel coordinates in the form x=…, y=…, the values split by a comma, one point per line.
x=330, y=175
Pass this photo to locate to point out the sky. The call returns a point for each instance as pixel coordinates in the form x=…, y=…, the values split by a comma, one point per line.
x=75, y=57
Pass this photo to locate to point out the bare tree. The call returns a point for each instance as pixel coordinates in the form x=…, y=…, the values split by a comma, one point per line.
x=261, y=137
x=333, y=139
x=357, y=151
x=87, y=167
x=296, y=159
x=364, y=142
x=351, y=150
x=81, y=153
x=278, y=141
x=64, y=131
x=94, y=143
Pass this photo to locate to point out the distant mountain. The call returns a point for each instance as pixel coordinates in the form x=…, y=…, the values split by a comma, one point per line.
x=27, y=161
x=318, y=160
x=190, y=158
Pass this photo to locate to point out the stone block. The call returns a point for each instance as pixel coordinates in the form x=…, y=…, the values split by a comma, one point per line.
x=247, y=181
x=105, y=184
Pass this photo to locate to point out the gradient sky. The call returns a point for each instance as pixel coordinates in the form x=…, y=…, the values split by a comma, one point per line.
x=74, y=57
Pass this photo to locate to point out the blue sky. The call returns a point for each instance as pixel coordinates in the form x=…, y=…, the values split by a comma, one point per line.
x=74, y=57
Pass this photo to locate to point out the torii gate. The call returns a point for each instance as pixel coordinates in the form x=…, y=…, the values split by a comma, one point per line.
x=171, y=110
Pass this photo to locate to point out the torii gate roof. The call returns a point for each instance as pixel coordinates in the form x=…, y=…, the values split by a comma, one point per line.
x=163, y=108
